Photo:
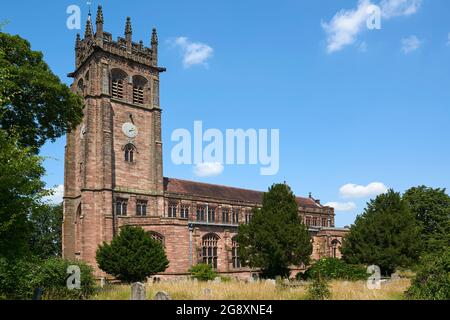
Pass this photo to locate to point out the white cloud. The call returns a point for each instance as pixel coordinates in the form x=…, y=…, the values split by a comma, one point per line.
x=350, y=190
x=342, y=206
x=193, y=52
x=208, y=169
x=410, y=44
x=346, y=25
x=57, y=196
x=396, y=8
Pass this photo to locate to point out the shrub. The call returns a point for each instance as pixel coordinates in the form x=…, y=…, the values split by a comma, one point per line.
x=335, y=269
x=203, y=272
x=52, y=278
x=432, y=281
x=20, y=278
x=132, y=256
x=319, y=289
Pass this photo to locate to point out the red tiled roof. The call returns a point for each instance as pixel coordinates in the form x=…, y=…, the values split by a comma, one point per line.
x=192, y=188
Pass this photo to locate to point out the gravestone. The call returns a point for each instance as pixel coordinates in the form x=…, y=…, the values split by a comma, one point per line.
x=38, y=294
x=271, y=281
x=207, y=292
x=395, y=276
x=156, y=280
x=138, y=291
x=102, y=282
x=162, y=296
x=217, y=280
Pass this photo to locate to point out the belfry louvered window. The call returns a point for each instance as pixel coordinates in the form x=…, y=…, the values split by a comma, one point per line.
x=118, y=83
x=138, y=95
x=140, y=85
x=117, y=88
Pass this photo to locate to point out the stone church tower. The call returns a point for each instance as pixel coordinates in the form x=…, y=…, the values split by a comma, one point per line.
x=114, y=171
x=117, y=150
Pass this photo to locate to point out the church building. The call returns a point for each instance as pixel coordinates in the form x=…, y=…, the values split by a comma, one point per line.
x=114, y=169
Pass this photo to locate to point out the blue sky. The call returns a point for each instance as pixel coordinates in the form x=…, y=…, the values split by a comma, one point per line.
x=353, y=106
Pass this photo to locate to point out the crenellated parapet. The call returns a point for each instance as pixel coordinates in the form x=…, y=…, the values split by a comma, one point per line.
x=122, y=47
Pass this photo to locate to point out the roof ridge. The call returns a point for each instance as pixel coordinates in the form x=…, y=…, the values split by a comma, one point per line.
x=214, y=184
x=224, y=186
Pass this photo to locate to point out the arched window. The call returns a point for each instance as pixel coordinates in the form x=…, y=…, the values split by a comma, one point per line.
x=334, y=247
x=172, y=210
x=225, y=215
x=80, y=86
x=201, y=213
x=248, y=217
x=118, y=83
x=121, y=207
x=78, y=231
x=235, y=215
x=141, y=208
x=184, y=212
x=139, y=85
x=158, y=237
x=234, y=253
x=209, y=249
x=129, y=153
x=308, y=221
x=211, y=214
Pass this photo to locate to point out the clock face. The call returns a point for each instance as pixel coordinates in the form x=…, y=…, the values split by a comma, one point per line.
x=129, y=130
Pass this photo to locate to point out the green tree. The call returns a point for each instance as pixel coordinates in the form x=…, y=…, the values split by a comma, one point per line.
x=21, y=188
x=275, y=238
x=386, y=234
x=132, y=256
x=40, y=107
x=432, y=210
x=46, y=221
x=432, y=281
